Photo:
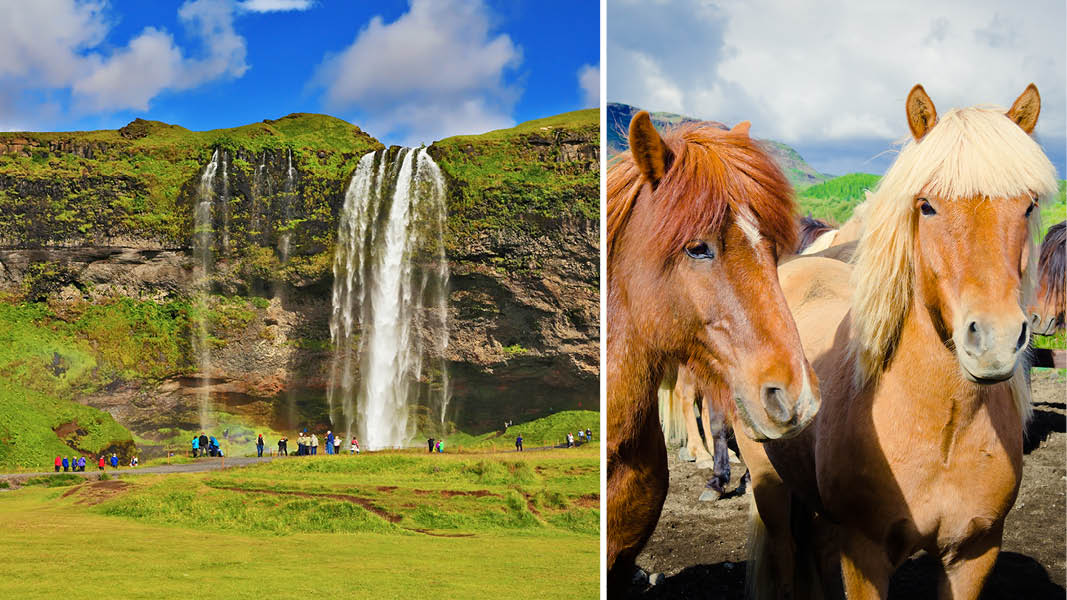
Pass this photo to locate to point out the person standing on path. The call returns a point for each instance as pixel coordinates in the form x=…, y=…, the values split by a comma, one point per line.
x=66, y=464
x=518, y=443
x=588, y=435
x=114, y=460
x=59, y=461
x=196, y=446
x=329, y=442
x=314, y=444
x=337, y=445
x=429, y=444
x=101, y=462
x=259, y=445
x=355, y=446
x=81, y=464
x=203, y=443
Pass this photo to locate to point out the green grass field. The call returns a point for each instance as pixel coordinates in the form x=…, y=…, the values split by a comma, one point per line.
x=381, y=525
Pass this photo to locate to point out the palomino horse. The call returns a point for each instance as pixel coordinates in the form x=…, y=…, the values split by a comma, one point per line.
x=695, y=221
x=1050, y=303
x=918, y=444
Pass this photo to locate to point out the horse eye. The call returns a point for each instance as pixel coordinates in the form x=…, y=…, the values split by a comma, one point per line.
x=1030, y=209
x=699, y=250
x=925, y=208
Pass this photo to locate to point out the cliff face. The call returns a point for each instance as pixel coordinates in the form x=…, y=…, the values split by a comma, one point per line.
x=86, y=218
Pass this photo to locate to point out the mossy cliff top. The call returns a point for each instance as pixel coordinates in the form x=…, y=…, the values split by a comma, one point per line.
x=524, y=178
x=96, y=187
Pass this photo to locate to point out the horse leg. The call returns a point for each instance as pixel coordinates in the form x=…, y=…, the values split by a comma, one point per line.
x=966, y=571
x=693, y=444
x=771, y=564
x=637, y=488
x=865, y=568
x=686, y=390
x=715, y=434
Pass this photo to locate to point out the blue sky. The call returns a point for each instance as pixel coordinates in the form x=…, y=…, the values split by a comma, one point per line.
x=829, y=77
x=406, y=72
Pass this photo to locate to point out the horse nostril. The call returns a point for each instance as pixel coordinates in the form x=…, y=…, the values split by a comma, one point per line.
x=973, y=339
x=777, y=404
x=1023, y=337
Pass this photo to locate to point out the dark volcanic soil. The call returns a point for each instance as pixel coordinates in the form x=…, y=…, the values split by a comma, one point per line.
x=700, y=546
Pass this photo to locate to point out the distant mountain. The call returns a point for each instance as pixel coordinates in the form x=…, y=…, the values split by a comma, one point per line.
x=799, y=173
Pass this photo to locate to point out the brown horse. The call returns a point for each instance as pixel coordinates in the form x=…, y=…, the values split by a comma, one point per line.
x=696, y=220
x=1050, y=303
x=815, y=235
x=918, y=444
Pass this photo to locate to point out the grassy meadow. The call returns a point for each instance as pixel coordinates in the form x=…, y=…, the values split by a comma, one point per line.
x=469, y=526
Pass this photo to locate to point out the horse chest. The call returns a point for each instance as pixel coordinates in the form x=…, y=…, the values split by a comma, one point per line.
x=937, y=482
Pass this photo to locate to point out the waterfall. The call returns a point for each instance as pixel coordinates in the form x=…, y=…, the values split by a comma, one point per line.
x=287, y=198
x=203, y=242
x=389, y=317
x=224, y=203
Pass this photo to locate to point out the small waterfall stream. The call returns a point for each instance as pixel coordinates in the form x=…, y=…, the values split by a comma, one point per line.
x=203, y=243
x=287, y=198
x=388, y=325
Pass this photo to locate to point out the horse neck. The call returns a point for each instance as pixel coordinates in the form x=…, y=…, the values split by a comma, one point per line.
x=634, y=368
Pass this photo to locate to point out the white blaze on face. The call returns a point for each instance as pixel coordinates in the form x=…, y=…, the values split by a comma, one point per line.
x=747, y=223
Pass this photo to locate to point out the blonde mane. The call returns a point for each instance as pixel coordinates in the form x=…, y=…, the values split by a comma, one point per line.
x=970, y=152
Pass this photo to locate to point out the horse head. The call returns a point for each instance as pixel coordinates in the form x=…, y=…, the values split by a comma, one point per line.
x=696, y=221
x=954, y=221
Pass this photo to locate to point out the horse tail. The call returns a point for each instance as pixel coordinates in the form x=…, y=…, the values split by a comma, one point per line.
x=759, y=575
x=671, y=417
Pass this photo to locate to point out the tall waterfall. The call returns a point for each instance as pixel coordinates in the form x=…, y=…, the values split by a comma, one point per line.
x=203, y=243
x=389, y=320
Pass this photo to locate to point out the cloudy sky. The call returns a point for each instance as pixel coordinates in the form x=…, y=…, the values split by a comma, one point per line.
x=829, y=77
x=405, y=71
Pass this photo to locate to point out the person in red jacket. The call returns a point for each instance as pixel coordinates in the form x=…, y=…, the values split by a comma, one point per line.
x=101, y=463
x=58, y=462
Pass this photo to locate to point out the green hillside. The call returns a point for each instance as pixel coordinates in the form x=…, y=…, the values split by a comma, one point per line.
x=833, y=200
x=546, y=431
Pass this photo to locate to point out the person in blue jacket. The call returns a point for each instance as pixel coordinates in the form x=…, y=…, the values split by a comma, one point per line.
x=329, y=442
x=259, y=444
x=81, y=464
x=66, y=464
x=213, y=446
x=196, y=446
x=114, y=461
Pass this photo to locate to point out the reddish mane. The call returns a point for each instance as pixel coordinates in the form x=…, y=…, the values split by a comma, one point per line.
x=712, y=172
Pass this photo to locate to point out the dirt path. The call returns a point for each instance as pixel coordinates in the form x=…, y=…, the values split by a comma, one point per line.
x=206, y=464
x=211, y=464
x=700, y=546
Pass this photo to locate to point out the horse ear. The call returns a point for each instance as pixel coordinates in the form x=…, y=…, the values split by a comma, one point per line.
x=922, y=116
x=1026, y=108
x=650, y=153
x=741, y=128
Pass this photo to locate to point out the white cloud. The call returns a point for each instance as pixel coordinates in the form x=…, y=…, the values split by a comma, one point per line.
x=59, y=45
x=827, y=70
x=437, y=70
x=589, y=82
x=263, y=6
